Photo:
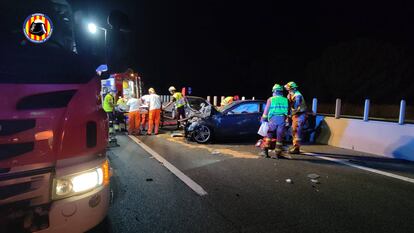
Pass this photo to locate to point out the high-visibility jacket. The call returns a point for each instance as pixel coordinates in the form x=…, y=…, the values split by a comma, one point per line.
x=278, y=106
x=226, y=101
x=179, y=99
x=297, y=103
x=108, y=103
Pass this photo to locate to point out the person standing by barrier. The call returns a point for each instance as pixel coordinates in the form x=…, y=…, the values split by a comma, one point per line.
x=226, y=101
x=298, y=114
x=275, y=113
x=179, y=100
x=154, y=111
x=134, y=117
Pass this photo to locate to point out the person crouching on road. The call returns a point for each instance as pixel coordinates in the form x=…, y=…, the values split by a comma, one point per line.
x=134, y=117
x=179, y=100
x=298, y=113
x=154, y=111
x=275, y=113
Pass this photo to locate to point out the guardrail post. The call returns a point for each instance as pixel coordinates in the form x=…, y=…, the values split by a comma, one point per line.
x=338, y=108
x=208, y=99
x=366, y=110
x=243, y=97
x=401, y=119
x=314, y=105
x=215, y=100
x=253, y=98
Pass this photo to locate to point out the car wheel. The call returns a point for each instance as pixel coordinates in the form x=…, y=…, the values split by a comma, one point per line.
x=202, y=134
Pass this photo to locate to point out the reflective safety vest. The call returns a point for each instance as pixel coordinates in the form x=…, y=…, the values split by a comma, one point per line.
x=108, y=103
x=228, y=100
x=179, y=99
x=278, y=106
x=301, y=108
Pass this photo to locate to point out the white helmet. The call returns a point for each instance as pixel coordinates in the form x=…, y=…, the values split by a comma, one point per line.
x=172, y=88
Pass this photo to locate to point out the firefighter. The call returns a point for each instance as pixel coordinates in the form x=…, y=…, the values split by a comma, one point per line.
x=154, y=111
x=297, y=113
x=179, y=100
x=275, y=113
x=226, y=101
x=109, y=103
x=134, y=116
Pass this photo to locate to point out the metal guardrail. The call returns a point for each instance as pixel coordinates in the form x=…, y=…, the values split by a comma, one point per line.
x=338, y=106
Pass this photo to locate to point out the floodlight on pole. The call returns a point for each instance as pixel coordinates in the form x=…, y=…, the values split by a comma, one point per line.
x=92, y=28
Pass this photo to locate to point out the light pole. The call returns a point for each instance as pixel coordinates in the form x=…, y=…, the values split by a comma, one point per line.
x=93, y=29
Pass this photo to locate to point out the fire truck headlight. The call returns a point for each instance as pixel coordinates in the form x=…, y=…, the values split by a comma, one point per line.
x=82, y=182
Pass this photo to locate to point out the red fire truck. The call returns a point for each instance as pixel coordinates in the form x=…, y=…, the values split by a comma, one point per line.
x=54, y=173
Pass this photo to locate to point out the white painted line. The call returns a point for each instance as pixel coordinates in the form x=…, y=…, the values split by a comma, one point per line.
x=341, y=161
x=187, y=180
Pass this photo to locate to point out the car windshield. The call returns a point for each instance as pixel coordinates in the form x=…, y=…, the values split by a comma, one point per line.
x=222, y=109
x=195, y=103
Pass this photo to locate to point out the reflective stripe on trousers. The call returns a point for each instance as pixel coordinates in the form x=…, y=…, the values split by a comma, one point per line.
x=277, y=128
x=298, y=121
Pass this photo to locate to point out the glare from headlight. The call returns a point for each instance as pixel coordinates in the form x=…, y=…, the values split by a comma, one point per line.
x=81, y=182
x=85, y=181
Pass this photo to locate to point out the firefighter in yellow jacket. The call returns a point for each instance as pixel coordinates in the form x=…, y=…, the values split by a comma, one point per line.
x=298, y=113
x=275, y=113
x=179, y=100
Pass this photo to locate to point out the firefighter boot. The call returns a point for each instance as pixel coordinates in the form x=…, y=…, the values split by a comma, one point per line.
x=278, y=152
x=294, y=150
x=264, y=153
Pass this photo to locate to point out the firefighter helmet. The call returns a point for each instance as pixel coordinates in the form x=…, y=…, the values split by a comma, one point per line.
x=38, y=28
x=291, y=85
x=277, y=87
x=172, y=88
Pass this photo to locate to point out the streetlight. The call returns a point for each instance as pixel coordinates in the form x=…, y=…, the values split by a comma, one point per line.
x=92, y=29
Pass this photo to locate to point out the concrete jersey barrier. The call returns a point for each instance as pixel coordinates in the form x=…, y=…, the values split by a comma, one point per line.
x=376, y=137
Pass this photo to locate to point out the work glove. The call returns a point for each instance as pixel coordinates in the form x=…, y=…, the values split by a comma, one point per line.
x=287, y=121
x=264, y=119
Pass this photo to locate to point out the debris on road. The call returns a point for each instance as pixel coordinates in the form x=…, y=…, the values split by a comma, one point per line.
x=313, y=176
x=315, y=181
x=215, y=152
x=289, y=181
x=149, y=179
x=173, y=135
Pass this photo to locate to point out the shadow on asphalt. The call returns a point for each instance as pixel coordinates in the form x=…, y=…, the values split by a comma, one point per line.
x=104, y=227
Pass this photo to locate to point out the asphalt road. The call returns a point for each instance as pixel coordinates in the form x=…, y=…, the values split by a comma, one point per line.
x=247, y=193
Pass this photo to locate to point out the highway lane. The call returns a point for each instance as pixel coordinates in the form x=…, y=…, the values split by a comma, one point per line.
x=247, y=193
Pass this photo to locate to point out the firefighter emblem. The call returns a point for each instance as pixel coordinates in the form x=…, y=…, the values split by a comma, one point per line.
x=38, y=28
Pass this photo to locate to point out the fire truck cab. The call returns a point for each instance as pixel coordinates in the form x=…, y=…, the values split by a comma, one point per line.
x=54, y=172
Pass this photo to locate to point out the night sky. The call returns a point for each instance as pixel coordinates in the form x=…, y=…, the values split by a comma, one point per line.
x=346, y=49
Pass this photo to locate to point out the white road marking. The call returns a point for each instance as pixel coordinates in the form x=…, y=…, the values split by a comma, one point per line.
x=341, y=161
x=187, y=180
